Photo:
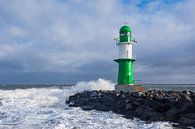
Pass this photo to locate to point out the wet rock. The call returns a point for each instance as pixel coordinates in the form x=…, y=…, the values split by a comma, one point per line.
x=120, y=104
x=93, y=94
x=159, y=98
x=188, y=115
x=135, y=94
x=139, y=111
x=94, y=100
x=186, y=98
x=141, y=94
x=129, y=107
x=154, y=104
x=86, y=107
x=187, y=122
x=171, y=102
x=102, y=107
x=152, y=116
x=107, y=100
x=186, y=107
x=186, y=92
x=136, y=103
x=143, y=109
x=174, y=106
x=172, y=114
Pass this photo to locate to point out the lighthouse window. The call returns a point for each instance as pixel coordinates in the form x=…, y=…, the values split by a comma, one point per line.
x=124, y=33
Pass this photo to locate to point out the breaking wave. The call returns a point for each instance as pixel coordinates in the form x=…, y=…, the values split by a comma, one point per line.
x=100, y=84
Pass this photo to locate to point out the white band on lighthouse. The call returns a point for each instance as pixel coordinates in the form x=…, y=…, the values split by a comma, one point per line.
x=125, y=51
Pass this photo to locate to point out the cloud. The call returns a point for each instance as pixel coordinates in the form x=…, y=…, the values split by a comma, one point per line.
x=75, y=38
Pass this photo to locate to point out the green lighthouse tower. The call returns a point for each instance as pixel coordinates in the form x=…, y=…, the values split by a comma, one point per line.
x=125, y=60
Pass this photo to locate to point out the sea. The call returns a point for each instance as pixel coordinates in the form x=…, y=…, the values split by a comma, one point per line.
x=43, y=107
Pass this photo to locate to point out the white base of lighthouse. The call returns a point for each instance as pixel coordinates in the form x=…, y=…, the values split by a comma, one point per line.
x=129, y=88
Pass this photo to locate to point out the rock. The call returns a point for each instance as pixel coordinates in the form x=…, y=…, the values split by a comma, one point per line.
x=171, y=102
x=120, y=105
x=172, y=114
x=123, y=95
x=193, y=97
x=154, y=104
x=141, y=94
x=152, y=116
x=173, y=106
x=186, y=107
x=136, y=103
x=130, y=99
x=94, y=94
x=186, y=98
x=102, y=107
x=70, y=104
x=72, y=98
x=186, y=92
x=134, y=94
x=107, y=100
x=81, y=102
x=188, y=115
x=85, y=94
x=159, y=98
x=129, y=107
x=86, y=107
x=163, y=108
x=94, y=100
x=141, y=109
x=187, y=122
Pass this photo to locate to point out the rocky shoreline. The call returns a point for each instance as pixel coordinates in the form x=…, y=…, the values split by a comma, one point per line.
x=173, y=106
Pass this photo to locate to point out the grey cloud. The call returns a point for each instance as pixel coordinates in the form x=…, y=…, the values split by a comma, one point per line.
x=73, y=40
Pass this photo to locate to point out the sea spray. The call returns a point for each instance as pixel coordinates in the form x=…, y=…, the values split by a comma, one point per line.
x=100, y=84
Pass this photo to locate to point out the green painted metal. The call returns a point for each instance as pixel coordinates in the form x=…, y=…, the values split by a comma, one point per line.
x=125, y=34
x=125, y=28
x=125, y=71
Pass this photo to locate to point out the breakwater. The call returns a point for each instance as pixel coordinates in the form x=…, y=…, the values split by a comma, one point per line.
x=173, y=106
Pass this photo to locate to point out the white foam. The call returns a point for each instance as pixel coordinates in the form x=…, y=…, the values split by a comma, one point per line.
x=32, y=97
x=100, y=84
x=79, y=119
x=45, y=108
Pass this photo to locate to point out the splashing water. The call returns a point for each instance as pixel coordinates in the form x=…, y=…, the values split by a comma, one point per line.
x=45, y=108
x=100, y=84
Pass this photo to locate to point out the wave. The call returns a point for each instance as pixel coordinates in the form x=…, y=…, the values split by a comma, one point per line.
x=40, y=108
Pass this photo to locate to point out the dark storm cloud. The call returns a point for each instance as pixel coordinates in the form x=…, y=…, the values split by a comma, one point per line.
x=57, y=41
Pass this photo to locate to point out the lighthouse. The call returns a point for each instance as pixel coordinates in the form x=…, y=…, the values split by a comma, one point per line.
x=125, y=60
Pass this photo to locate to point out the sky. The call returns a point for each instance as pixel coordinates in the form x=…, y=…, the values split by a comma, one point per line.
x=66, y=41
